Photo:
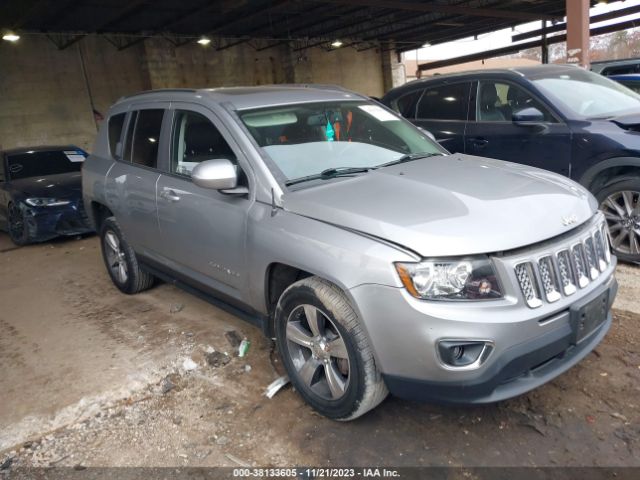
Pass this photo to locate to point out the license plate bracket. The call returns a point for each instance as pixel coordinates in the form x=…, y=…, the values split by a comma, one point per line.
x=588, y=315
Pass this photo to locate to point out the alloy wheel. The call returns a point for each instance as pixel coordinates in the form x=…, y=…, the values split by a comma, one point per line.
x=115, y=256
x=622, y=211
x=318, y=352
x=16, y=222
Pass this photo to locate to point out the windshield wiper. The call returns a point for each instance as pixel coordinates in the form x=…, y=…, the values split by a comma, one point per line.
x=409, y=157
x=331, y=173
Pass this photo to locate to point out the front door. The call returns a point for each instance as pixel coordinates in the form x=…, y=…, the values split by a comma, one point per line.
x=494, y=134
x=202, y=231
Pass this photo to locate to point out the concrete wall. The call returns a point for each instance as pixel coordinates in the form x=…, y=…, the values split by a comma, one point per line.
x=44, y=98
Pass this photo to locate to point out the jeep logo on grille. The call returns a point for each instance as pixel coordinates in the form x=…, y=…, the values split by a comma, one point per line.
x=569, y=220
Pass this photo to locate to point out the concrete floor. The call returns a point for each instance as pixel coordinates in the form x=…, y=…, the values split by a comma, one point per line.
x=83, y=367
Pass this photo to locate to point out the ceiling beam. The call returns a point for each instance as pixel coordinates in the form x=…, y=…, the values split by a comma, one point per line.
x=563, y=26
x=523, y=46
x=452, y=9
x=130, y=9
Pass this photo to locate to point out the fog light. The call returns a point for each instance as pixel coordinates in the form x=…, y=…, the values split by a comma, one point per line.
x=464, y=353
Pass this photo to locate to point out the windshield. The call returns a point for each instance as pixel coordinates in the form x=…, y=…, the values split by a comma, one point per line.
x=306, y=140
x=41, y=163
x=587, y=94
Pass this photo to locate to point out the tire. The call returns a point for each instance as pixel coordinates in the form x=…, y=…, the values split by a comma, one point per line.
x=337, y=376
x=17, y=226
x=120, y=260
x=619, y=200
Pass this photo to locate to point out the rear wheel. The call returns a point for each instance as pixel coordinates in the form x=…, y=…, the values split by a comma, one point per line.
x=17, y=226
x=121, y=261
x=325, y=350
x=620, y=203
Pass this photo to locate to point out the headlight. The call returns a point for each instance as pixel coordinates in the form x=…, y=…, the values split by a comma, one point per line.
x=461, y=279
x=46, y=202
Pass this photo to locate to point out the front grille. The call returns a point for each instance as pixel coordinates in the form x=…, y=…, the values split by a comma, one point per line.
x=563, y=270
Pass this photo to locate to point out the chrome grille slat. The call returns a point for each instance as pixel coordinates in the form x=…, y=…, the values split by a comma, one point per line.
x=549, y=280
x=565, y=270
x=590, y=255
x=577, y=255
x=527, y=281
x=560, y=272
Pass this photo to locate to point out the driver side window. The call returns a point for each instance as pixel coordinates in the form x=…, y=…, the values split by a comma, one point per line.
x=195, y=139
x=498, y=101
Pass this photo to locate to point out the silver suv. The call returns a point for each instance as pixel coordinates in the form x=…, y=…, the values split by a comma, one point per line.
x=377, y=260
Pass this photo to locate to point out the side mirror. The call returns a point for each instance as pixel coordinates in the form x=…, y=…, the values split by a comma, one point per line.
x=428, y=133
x=528, y=115
x=218, y=174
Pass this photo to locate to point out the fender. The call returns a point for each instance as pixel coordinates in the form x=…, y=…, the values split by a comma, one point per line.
x=590, y=175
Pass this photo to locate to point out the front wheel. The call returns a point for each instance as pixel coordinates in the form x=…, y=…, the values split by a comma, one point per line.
x=620, y=204
x=325, y=351
x=18, y=230
x=121, y=261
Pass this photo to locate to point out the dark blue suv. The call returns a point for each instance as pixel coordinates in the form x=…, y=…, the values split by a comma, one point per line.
x=557, y=117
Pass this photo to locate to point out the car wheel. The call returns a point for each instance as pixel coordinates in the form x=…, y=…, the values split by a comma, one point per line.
x=121, y=261
x=325, y=351
x=620, y=202
x=17, y=226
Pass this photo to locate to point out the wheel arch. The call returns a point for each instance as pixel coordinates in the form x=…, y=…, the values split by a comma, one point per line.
x=97, y=213
x=602, y=173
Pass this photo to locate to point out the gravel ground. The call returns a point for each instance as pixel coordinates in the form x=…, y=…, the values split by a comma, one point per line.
x=93, y=378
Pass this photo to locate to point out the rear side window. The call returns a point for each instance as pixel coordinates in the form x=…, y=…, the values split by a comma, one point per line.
x=143, y=137
x=116, y=123
x=445, y=102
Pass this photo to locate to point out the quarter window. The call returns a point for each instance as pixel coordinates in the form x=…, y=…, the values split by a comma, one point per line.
x=116, y=123
x=445, y=102
x=196, y=139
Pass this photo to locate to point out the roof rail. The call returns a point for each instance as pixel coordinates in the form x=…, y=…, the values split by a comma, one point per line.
x=159, y=90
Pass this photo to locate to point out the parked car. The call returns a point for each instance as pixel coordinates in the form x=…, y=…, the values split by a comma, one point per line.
x=630, y=80
x=41, y=193
x=377, y=260
x=556, y=117
x=616, y=67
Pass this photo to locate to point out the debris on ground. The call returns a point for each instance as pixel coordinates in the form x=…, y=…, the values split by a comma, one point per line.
x=189, y=365
x=176, y=307
x=243, y=349
x=236, y=460
x=166, y=385
x=233, y=338
x=275, y=386
x=6, y=464
x=217, y=359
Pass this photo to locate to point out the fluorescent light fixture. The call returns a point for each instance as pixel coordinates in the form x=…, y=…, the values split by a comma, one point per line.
x=204, y=41
x=11, y=37
x=426, y=45
x=336, y=44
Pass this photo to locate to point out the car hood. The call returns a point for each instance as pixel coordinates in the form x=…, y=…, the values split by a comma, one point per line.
x=63, y=185
x=450, y=205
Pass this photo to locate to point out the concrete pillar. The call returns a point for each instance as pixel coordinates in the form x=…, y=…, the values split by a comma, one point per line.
x=578, y=32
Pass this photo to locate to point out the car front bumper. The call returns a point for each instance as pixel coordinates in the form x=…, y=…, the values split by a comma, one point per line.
x=531, y=347
x=45, y=223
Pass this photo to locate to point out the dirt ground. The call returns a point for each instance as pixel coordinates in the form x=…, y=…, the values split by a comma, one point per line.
x=91, y=377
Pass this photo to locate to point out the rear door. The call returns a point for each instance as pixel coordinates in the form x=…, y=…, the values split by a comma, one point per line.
x=203, y=231
x=492, y=133
x=443, y=109
x=131, y=183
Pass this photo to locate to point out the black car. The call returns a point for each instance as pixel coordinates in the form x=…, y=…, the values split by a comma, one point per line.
x=41, y=193
x=556, y=117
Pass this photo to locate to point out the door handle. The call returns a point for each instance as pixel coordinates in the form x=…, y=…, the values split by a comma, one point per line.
x=170, y=195
x=479, y=142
